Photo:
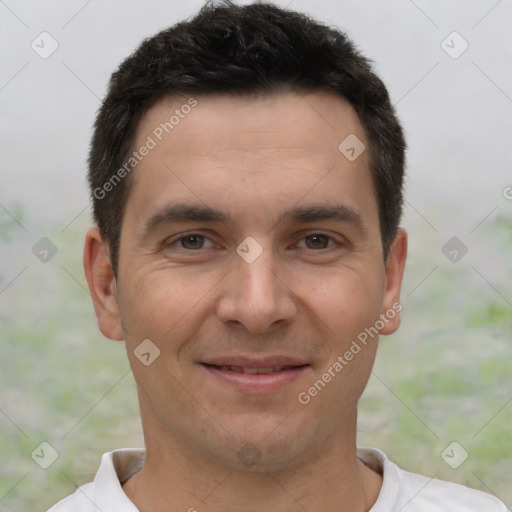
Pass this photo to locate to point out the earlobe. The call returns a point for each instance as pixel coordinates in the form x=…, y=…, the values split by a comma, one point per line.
x=394, y=275
x=102, y=284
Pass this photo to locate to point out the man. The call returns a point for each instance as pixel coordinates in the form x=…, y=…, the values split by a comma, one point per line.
x=246, y=171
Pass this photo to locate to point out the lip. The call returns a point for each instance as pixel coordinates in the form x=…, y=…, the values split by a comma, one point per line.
x=254, y=383
x=255, y=362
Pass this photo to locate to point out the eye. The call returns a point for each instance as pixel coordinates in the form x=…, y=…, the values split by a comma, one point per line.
x=316, y=241
x=192, y=241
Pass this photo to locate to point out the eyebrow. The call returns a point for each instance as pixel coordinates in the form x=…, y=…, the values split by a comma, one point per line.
x=177, y=213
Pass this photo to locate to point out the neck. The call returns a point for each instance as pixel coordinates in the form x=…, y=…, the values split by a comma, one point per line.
x=332, y=481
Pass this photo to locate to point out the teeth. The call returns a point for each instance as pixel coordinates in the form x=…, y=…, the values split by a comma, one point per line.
x=263, y=371
x=253, y=371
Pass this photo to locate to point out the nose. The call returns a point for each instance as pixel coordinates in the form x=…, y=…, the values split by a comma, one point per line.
x=256, y=296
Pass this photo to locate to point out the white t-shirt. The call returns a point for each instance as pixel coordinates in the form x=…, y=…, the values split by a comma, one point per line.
x=401, y=491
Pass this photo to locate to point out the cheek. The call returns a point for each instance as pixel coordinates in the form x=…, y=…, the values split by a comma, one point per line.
x=345, y=309
x=164, y=306
x=347, y=300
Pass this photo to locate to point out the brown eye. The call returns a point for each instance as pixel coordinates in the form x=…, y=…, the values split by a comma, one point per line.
x=192, y=241
x=317, y=241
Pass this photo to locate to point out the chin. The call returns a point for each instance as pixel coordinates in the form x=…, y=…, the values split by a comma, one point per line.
x=266, y=451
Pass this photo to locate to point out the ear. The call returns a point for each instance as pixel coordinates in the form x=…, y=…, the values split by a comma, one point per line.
x=102, y=284
x=394, y=274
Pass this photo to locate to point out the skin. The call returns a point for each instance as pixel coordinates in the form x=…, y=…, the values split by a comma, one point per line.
x=306, y=297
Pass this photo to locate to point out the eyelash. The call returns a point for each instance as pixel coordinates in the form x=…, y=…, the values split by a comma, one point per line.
x=331, y=242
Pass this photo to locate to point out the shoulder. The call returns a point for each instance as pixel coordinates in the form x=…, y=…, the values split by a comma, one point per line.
x=410, y=492
x=430, y=494
x=106, y=490
x=74, y=502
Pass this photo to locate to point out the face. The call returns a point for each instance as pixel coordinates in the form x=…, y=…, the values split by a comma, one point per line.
x=251, y=257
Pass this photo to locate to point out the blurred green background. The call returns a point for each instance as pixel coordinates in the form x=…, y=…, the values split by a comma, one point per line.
x=444, y=377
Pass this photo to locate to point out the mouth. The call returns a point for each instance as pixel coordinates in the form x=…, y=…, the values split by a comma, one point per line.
x=255, y=377
x=253, y=371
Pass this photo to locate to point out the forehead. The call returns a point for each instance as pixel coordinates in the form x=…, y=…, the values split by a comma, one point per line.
x=317, y=122
x=217, y=147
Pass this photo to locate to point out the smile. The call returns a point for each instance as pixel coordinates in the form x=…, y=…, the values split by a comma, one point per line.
x=252, y=378
x=254, y=371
